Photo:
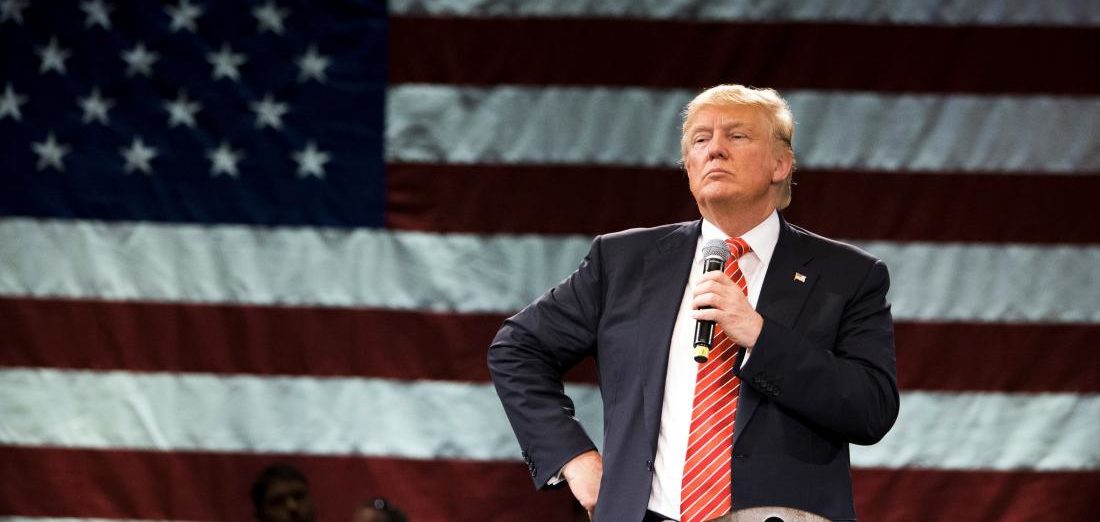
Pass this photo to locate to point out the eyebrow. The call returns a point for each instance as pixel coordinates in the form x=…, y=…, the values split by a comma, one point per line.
x=729, y=126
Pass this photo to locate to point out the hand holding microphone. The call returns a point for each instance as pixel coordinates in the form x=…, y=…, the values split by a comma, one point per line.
x=717, y=299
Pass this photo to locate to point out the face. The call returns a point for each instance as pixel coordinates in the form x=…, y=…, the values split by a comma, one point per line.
x=287, y=501
x=732, y=160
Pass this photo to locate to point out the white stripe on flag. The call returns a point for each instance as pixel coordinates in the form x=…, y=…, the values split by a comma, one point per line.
x=1002, y=431
x=476, y=273
x=426, y=419
x=335, y=416
x=288, y=266
x=981, y=282
x=640, y=127
x=940, y=12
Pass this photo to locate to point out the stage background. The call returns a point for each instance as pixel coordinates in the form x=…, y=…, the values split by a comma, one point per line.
x=287, y=231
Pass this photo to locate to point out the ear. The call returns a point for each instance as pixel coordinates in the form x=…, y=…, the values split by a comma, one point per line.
x=783, y=163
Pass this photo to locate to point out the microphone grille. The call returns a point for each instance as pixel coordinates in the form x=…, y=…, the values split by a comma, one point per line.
x=716, y=247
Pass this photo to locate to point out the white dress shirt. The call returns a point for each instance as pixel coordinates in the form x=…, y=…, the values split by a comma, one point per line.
x=672, y=441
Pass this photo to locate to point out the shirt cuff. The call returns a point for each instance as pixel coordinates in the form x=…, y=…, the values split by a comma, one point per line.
x=558, y=478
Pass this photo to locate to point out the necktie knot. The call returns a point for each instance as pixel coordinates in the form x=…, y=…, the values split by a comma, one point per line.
x=738, y=247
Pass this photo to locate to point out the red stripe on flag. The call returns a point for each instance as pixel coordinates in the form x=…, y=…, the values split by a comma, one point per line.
x=266, y=340
x=533, y=199
x=215, y=486
x=997, y=357
x=947, y=206
x=627, y=52
x=904, y=495
x=596, y=200
x=224, y=339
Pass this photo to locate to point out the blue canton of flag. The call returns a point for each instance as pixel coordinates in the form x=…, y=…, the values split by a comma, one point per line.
x=214, y=112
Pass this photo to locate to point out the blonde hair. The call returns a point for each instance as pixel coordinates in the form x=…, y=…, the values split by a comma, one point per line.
x=768, y=101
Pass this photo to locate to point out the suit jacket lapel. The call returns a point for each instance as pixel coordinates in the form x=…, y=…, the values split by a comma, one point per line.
x=665, y=273
x=781, y=300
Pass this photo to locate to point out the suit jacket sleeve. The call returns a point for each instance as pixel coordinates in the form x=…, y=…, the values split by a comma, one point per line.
x=528, y=357
x=840, y=377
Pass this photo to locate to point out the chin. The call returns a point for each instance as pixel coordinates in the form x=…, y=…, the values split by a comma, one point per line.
x=718, y=196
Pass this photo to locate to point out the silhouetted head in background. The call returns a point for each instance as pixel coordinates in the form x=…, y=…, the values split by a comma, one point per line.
x=281, y=494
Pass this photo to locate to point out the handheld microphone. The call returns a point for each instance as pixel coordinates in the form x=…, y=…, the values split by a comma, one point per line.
x=715, y=254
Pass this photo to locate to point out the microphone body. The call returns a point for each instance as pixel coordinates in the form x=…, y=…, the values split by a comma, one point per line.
x=715, y=254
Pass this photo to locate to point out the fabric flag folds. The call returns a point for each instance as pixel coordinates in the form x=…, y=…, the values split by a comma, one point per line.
x=236, y=233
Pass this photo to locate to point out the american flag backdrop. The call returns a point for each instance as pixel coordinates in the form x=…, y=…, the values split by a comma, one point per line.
x=240, y=232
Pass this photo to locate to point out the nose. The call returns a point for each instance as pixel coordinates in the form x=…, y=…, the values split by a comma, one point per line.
x=717, y=148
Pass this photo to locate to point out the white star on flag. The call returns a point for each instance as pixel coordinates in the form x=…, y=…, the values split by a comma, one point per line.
x=10, y=102
x=12, y=10
x=184, y=16
x=312, y=65
x=223, y=160
x=182, y=111
x=269, y=112
x=139, y=60
x=270, y=17
x=95, y=107
x=226, y=62
x=53, y=57
x=311, y=161
x=96, y=13
x=138, y=156
x=50, y=153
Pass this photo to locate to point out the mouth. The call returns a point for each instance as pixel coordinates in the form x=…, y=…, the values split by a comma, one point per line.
x=716, y=171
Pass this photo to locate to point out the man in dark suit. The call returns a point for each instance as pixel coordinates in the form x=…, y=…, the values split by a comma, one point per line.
x=810, y=336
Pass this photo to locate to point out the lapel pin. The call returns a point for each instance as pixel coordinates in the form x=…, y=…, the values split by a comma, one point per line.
x=798, y=276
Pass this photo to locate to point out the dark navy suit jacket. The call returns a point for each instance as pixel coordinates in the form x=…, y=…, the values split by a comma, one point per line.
x=821, y=376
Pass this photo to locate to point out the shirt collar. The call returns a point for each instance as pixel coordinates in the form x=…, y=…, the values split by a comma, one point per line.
x=762, y=238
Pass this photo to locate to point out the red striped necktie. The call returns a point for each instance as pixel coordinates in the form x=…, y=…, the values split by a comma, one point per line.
x=705, y=492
